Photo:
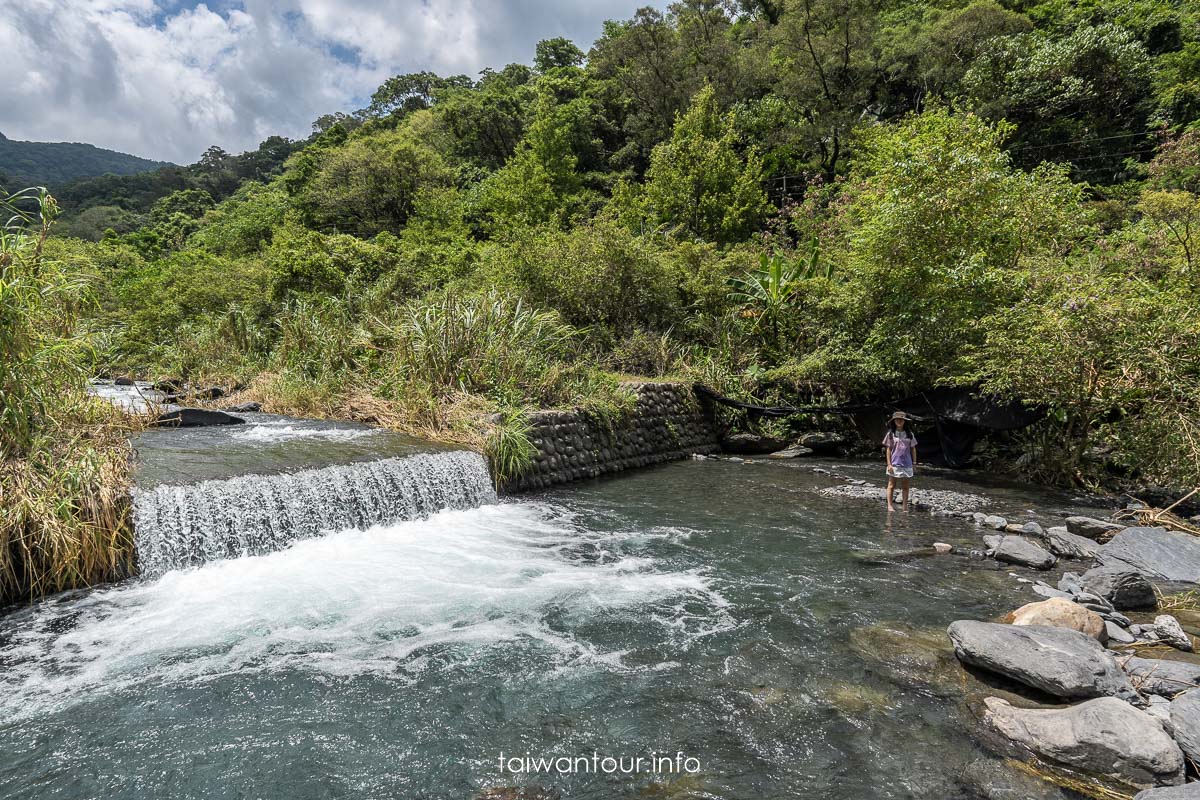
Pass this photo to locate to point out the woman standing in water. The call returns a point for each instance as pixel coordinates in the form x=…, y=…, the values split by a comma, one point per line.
x=901, y=447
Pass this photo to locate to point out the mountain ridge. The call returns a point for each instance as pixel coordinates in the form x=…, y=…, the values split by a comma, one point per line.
x=28, y=163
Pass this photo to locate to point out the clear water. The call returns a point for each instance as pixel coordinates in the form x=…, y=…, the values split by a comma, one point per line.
x=721, y=611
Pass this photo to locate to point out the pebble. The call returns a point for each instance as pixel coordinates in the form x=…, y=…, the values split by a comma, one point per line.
x=1116, y=633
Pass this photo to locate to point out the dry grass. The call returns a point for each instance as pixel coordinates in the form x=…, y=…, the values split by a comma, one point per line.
x=1086, y=786
x=1159, y=517
x=64, y=521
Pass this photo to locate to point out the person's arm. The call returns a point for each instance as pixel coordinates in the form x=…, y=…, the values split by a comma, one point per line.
x=914, y=452
x=887, y=453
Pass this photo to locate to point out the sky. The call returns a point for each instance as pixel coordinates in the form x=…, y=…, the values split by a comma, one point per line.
x=164, y=80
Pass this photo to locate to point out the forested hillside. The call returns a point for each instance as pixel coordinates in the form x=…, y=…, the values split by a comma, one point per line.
x=56, y=163
x=820, y=200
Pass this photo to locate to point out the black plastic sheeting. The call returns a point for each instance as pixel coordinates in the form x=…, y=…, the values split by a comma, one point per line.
x=959, y=417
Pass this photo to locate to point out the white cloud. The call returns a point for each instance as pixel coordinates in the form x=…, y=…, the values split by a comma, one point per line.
x=166, y=82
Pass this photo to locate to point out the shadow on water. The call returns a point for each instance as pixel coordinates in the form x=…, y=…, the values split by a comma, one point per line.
x=725, y=612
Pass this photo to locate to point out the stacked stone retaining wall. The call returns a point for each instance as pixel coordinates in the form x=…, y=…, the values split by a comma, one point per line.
x=668, y=423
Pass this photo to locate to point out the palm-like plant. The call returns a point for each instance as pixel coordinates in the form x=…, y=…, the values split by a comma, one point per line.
x=771, y=290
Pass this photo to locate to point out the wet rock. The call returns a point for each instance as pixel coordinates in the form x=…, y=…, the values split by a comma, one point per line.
x=123, y=380
x=1063, y=543
x=751, y=444
x=1168, y=630
x=1188, y=791
x=1057, y=661
x=1157, y=553
x=823, y=442
x=1104, y=736
x=995, y=522
x=1160, y=676
x=1185, y=718
x=791, y=452
x=1059, y=613
x=1019, y=550
x=991, y=779
x=1033, y=529
x=197, y=418
x=1090, y=527
x=910, y=656
x=1117, y=634
x=519, y=793
x=243, y=408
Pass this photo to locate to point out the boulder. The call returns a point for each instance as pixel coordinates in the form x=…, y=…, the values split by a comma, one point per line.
x=1104, y=735
x=1187, y=791
x=1125, y=588
x=1059, y=613
x=1168, y=630
x=1033, y=529
x=243, y=408
x=1160, y=676
x=995, y=522
x=196, y=418
x=751, y=444
x=1057, y=661
x=791, y=452
x=823, y=442
x=1185, y=718
x=1157, y=553
x=123, y=380
x=1090, y=527
x=1065, y=544
x=1019, y=550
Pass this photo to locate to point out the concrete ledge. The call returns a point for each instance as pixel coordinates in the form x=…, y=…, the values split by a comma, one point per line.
x=668, y=424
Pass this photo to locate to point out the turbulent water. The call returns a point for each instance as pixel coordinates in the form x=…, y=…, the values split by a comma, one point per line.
x=185, y=526
x=728, y=613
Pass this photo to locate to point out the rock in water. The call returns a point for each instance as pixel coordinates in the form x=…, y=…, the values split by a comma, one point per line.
x=1188, y=791
x=791, y=452
x=1125, y=588
x=995, y=522
x=1159, y=676
x=196, y=418
x=244, y=408
x=751, y=444
x=1118, y=634
x=1168, y=629
x=1105, y=736
x=1157, y=553
x=1019, y=550
x=1063, y=543
x=824, y=442
x=1185, y=717
x=1090, y=527
x=1059, y=613
x=1058, y=661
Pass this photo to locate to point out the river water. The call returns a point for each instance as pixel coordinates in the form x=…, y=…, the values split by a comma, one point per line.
x=724, y=616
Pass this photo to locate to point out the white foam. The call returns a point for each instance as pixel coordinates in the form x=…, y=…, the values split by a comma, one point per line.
x=269, y=433
x=393, y=600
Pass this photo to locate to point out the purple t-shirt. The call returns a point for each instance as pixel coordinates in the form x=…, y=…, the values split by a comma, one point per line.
x=902, y=443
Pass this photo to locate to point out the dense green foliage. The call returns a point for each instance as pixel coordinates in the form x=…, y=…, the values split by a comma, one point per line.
x=839, y=199
x=55, y=163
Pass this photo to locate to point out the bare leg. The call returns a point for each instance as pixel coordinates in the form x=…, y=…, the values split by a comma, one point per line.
x=904, y=484
x=891, y=493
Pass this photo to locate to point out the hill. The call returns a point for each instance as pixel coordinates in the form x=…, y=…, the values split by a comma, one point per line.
x=53, y=163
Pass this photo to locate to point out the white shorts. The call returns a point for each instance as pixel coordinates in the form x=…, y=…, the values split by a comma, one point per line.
x=899, y=472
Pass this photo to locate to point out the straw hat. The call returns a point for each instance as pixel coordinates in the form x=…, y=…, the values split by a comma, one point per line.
x=900, y=415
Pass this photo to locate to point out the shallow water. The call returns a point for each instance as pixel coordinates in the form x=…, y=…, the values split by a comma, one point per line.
x=704, y=608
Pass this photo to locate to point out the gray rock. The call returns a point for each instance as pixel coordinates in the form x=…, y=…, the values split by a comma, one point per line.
x=979, y=517
x=1033, y=529
x=1058, y=661
x=1047, y=591
x=1104, y=736
x=791, y=452
x=1090, y=527
x=196, y=418
x=1185, y=717
x=1159, y=676
x=1063, y=543
x=244, y=408
x=1069, y=582
x=1160, y=708
x=1188, y=791
x=992, y=779
x=751, y=444
x=1088, y=597
x=1019, y=550
x=1170, y=631
x=995, y=522
x=1117, y=634
x=1157, y=553
x=1125, y=588
x=824, y=442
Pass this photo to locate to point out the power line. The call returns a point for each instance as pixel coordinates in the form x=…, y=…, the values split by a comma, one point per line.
x=1077, y=141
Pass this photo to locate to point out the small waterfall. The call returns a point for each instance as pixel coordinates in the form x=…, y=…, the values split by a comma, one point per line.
x=184, y=526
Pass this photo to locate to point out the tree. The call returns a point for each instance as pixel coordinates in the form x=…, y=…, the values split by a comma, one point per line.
x=554, y=53
x=698, y=180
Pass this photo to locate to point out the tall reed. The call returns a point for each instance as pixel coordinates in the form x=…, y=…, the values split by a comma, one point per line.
x=64, y=457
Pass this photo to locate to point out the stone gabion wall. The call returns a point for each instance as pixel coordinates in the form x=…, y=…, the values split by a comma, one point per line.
x=668, y=423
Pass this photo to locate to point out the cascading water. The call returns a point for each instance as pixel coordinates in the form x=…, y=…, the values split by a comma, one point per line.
x=185, y=526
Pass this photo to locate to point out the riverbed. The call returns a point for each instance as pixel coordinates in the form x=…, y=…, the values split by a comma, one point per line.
x=725, y=616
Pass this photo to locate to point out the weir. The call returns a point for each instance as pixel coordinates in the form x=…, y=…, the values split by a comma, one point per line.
x=185, y=526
